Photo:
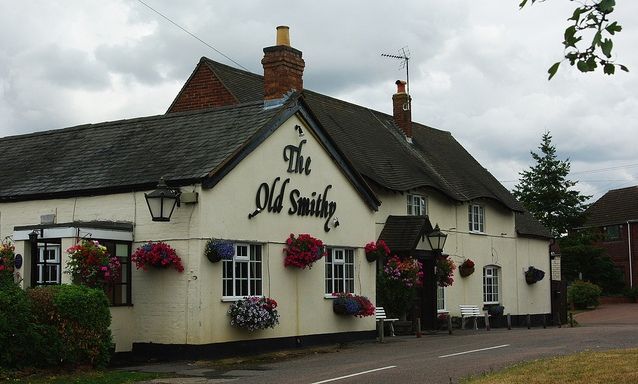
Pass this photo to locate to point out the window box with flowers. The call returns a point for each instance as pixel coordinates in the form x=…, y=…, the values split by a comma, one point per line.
x=534, y=275
x=376, y=251
x=353, y=305
x=7, y=259
x=217, y=250
x=302, y=251
x=466, y=268
x=90, y=264
x=158, y=255
x=444, y=271
x=254, y=313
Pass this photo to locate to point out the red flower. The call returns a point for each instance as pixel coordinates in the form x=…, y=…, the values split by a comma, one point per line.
x=159, y=255
x=303, y=251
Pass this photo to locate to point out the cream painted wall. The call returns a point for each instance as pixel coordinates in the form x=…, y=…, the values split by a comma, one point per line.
x=499, y=245
x=300, y=293
x=169, y=307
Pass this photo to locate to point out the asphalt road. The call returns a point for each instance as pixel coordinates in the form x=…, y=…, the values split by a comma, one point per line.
x=439, y=358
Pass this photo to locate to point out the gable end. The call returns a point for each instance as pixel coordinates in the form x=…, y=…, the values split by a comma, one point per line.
x=202, y=90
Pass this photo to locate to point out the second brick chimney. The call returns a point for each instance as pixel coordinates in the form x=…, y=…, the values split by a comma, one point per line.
x=401, y=109
x=283, y=67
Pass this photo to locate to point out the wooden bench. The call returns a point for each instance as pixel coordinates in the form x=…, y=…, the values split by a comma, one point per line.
x=381, y=317
x=472, y=311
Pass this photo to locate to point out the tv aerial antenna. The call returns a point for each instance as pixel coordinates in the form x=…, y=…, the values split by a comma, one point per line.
x=404, y=56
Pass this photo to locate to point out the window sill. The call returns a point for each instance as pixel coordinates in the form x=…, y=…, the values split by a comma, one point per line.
x=478, y=233
x=232, y=299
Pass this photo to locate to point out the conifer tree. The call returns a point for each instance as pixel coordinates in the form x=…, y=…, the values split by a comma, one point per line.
x=548, y=194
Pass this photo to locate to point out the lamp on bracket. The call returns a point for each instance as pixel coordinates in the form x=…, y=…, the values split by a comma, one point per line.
x=436, y=238
x=162, y=201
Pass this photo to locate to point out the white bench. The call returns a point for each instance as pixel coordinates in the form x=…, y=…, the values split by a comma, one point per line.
x=472, y=311
x=381, y=317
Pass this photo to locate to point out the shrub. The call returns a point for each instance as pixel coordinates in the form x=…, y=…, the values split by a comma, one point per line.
x=631, y=293
x=582, y=294
x=24, y=342
x=80, y=318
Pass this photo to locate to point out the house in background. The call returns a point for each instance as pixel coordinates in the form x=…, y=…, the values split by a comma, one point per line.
x=257, y=156
x=615, y=217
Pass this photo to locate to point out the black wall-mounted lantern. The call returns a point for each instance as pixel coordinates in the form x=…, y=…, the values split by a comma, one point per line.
x=437, y=239
x=162, y=201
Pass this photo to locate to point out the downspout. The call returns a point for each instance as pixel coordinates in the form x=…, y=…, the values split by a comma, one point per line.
x=631, y=272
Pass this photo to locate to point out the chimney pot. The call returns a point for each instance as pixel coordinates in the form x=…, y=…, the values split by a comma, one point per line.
x=400, y=86
x=283, y=35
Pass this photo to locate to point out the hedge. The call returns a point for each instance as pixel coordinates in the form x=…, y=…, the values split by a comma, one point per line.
x=61, y=325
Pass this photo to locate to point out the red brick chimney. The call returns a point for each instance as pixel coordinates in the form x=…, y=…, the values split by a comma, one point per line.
x=283, y=67
x=401, y=109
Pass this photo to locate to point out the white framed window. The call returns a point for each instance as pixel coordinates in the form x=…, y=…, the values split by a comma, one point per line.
x=440, y=298
x=491, y=284
x=48, y=265
x=417, y=205
x=242, y=276
x=476, y=218
x=339, y=271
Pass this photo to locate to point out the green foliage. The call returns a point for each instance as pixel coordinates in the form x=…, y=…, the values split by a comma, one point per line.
x=81, y=319
x=583, y=294
x=580, y=259
x=24, y=342
x=394, y=296
x=631, y=293
x=546, y=192
x=585, y=39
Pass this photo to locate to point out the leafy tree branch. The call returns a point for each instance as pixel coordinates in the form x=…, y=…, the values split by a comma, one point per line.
x=588, y=39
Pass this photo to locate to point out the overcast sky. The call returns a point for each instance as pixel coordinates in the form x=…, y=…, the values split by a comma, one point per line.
x=477, y=69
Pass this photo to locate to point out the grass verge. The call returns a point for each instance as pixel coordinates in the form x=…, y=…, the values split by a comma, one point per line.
x=88, y=377
x=608, y=367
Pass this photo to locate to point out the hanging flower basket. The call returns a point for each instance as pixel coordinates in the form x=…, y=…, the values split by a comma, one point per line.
x=7, y=259
x=348, y=304
x=375, y=251
x=302, y=251
x=254, y=313
x=533, y=275
x=90, y=264
x=466, y=268
x=157, y=255
x=217, y=250
x=444, y=271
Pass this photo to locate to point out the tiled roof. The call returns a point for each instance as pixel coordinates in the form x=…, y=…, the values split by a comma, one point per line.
x=126, y=154
x=403, y=233
x=614, y=207
x=245, y=86
x=527, y=225
x=380, y=152
x=186, y=146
